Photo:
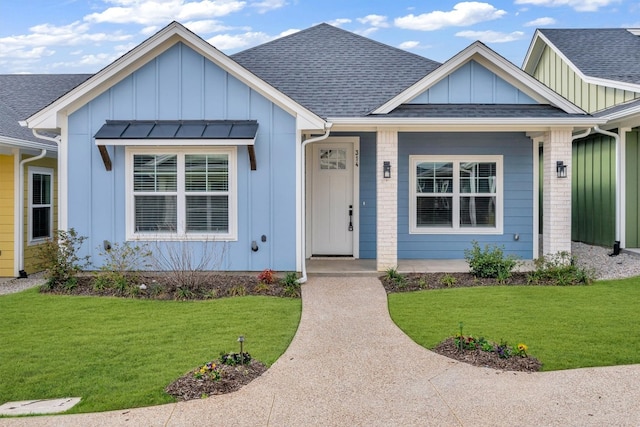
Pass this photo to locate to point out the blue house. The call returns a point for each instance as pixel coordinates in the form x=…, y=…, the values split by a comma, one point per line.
x=321, y=143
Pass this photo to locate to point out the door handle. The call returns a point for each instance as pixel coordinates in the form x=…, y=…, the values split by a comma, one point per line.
x=350, y=217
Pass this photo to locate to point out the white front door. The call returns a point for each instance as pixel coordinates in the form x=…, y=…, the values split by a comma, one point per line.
x=332, y=210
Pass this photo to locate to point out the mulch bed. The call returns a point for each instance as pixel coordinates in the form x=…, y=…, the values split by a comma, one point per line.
x=175, y=286
x=429, y=281
x=487, y=359
x=232, y=378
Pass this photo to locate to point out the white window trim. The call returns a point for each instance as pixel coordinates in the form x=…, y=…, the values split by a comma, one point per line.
x=455, y=228
x=181, y=235
x=40, y=171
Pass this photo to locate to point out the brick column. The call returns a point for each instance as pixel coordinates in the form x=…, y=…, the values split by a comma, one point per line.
x=557, y=193
x=387, y=200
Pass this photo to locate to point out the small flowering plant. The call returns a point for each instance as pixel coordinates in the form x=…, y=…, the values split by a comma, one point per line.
x=208, y=370
x=503, y=350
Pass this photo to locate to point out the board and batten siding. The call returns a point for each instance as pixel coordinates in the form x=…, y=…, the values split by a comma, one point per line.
x=518, y=193
x=472, y=84
x=180, y=84
x=632, y=193
x=593, y=195
x=7, y=222
x=555, y=73
x=367, y=196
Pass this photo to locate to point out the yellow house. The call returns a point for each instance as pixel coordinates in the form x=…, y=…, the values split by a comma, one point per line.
x=28, y=170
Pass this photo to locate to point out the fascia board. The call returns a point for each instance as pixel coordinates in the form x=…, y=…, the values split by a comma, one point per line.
x=615, y=84
x=534, y=53
x=494, y=62
x=50, y=116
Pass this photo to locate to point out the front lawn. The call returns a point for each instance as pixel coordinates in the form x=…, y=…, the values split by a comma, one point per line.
x=120, y=353
x=564, y=327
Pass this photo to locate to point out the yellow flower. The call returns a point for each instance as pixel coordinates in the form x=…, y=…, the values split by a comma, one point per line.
x=523, y=347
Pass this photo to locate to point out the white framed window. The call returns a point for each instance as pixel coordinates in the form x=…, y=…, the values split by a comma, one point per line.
x=185, y=193
x=40, y=214
x=455, y=194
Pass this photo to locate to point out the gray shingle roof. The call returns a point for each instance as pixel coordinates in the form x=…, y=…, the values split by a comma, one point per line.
x=478, y=111
x=333, y=72
x=24, y=94
x=610, y=53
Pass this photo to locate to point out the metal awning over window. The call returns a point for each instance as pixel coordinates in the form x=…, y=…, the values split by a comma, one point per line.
x=176, y=133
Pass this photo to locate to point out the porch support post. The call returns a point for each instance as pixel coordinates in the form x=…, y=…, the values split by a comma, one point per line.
x=387, y=200
x=556, y=193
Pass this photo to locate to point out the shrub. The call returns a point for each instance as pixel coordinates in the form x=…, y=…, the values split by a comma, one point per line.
x=489, y=262
x=267, y=276
x=60, y=260
x=291, y=285
x=122, y=263
x=448, y=280
x=185, y=265
x=559, y=269
x=393, y=275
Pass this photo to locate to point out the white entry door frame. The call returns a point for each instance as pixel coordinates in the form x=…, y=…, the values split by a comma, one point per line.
x=333, y=188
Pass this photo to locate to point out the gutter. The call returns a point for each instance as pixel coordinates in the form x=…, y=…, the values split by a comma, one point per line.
x=303, y=163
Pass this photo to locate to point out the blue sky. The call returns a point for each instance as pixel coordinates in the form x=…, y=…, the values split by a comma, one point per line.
x=83, y=36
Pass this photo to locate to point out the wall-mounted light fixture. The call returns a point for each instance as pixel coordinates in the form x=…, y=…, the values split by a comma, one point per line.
x=386, y=169
x=561, y=169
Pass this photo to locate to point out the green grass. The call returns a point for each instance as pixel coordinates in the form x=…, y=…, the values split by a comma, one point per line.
x=564, y=327
x=121, y=353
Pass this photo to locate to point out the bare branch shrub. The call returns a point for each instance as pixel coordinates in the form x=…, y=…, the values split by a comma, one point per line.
x=184, y=266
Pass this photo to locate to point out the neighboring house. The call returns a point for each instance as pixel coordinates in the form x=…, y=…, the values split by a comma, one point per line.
x=28, y=170
x=321, y=143
x=599, y=71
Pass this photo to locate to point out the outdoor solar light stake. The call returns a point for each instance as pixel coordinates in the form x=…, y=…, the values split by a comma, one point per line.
x=241, y=341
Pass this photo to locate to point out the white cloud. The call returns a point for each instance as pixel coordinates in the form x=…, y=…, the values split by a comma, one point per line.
x=375, y=21
x=152, y=12
x=207, y=26
x=46, y=35
x=246, y=40
x=409, y=44
x=578, y=5
x=265, y=6
x=540, y=22
x=151, y=29
x=463, y=14
x=340, y=21
x=491, y=36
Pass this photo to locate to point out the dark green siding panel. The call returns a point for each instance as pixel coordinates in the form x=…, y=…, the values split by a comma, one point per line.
x=632, y=155
x=593, y=191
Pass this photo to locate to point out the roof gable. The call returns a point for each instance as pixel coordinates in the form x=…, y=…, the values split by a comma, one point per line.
x=48, y=118
x=472, y=83
x=333, y=72
x=496, y=64
x=604, y=56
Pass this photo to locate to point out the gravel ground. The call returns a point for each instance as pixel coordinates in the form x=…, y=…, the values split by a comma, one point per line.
x=593, y=257
x=17, y=285
x=605, y=266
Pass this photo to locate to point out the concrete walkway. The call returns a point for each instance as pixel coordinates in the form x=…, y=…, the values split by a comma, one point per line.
x=350, y=365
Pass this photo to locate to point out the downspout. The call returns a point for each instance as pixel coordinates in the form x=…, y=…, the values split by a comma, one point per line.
x=616, y=137
x=21, y=227
x=303, y=167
